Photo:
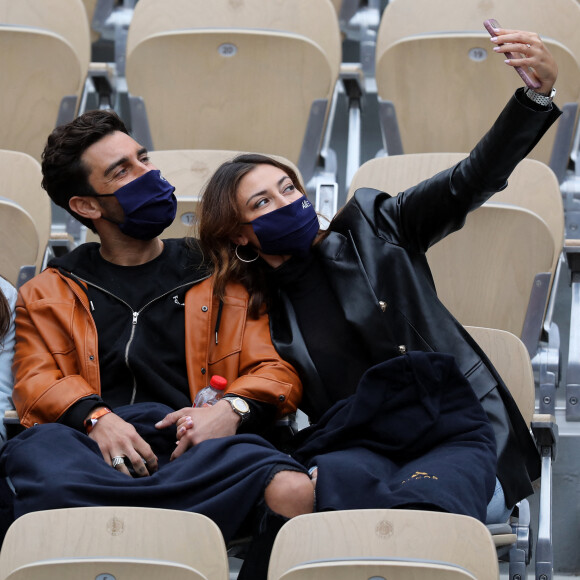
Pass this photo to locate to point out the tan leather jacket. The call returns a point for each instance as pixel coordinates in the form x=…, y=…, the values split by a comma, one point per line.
x=56, y=360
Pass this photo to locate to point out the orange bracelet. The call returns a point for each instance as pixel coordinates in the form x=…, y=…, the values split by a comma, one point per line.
x=94, y=417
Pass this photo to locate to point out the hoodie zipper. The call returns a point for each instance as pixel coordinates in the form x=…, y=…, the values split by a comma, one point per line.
x=135, y=317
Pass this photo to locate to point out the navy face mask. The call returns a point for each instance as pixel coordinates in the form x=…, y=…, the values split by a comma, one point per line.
x=149, y=205
x=288, y=230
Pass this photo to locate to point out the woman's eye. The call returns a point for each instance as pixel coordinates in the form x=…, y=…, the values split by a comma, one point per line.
x=261, y=202
x=289, y=188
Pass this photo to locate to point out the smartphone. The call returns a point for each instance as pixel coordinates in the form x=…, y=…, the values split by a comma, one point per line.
x=533, y=84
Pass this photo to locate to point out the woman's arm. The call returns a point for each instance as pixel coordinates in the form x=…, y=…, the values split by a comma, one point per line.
x=6, y=357
x=438, y=206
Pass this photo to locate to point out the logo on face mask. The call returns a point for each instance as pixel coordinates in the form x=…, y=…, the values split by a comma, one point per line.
x=149, y=205
x=289, y=230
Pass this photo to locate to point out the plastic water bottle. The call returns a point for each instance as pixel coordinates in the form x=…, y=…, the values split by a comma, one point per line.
x=211, y=394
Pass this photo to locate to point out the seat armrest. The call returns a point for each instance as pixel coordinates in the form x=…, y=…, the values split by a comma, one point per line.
x=572, y=253
x=392, y=143
x=353, y=81
x=564, y=141
x=533, y=323
x=59, y=243
x=312, y=139
x=545, y=430
x=12, y=423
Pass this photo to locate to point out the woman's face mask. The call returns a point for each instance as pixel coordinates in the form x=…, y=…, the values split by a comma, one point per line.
x=289, y=230
x=149, y=205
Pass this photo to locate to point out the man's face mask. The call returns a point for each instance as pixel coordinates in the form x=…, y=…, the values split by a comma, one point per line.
x=149, y=205
x=289, y=230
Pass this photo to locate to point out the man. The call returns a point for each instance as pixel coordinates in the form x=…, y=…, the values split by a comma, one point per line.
x=114, y=341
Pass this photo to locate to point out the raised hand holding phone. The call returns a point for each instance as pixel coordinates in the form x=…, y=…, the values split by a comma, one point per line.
x=492, y=26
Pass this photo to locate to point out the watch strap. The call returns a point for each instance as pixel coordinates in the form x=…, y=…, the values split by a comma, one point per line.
x=231, y=399
x=543, y=100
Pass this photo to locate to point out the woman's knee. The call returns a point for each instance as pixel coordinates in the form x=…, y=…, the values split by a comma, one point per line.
x=290, y=493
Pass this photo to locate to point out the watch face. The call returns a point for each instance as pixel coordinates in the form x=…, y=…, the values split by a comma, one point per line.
x=241, y=406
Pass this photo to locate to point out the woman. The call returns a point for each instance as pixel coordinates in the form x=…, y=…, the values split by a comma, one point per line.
x=7, y=331
x=7, y=301
x=360, y=293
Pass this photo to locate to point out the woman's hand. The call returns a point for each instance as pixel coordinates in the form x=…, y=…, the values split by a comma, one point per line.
x=529, y=51
x=195, y=425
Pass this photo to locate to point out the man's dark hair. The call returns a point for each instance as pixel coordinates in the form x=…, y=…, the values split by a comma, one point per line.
x=64, y=175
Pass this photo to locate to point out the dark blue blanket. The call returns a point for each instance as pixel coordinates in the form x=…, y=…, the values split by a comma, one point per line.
x=53, y=466
x=413, y=435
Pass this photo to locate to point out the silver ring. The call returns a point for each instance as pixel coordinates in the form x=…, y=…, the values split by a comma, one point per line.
x=529, y=45
x=118, y=460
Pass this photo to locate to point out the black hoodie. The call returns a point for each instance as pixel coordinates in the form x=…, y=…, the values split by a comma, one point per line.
x=139, y=314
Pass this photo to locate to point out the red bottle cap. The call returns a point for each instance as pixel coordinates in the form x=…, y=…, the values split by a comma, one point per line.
x=218, y=383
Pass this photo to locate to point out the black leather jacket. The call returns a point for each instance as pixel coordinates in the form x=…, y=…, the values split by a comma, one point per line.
x=374, y=255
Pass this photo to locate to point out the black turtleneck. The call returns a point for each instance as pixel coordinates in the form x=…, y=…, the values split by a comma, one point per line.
x=338, y=355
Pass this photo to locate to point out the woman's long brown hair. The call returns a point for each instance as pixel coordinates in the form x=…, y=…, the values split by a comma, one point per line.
x=5, y=316
x=220, y=219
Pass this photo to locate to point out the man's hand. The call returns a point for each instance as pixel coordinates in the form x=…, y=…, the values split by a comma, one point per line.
x=195, y=425
x=533, y=54
x=117, y=438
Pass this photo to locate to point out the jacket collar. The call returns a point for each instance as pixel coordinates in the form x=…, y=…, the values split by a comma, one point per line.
x=78, y=262
x=339, y=256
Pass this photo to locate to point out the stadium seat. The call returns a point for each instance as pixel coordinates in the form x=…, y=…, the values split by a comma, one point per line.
x=20, y=179
x=572, y=253
x=510, y=358
x=249, y=76
x=90, y=7
x=105, y=569
x=312, y=19
x=71, y=21
x=411, y=17
x=383, y=543
x=39, y=69
x=485, y=272
x=137, y=542
x=468, y=88
x=461, y=64
x=532, y=186
x=67, y=18
x=19, y=243
x=364, y=569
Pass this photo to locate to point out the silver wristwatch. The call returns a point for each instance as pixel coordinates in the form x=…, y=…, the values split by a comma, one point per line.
x=239, y=406
x=543, y=100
